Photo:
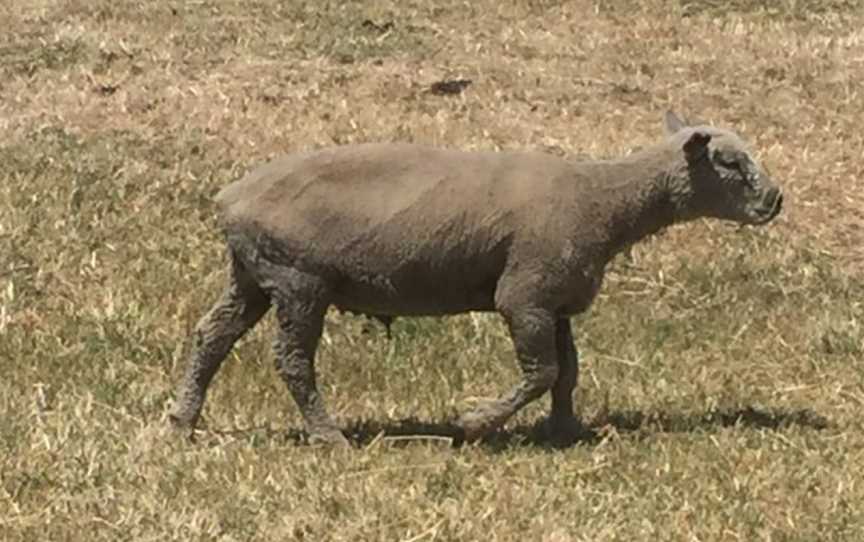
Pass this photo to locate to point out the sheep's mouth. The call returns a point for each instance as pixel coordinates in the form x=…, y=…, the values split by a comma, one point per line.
x=766, y=213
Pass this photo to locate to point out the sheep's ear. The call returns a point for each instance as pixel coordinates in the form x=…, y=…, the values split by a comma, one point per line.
x=673, y=122
x=697, y=145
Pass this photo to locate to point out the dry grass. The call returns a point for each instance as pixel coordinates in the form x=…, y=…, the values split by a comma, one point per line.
x=723, y=374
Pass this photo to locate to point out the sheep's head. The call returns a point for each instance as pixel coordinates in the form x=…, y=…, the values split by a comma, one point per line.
x=723, y=179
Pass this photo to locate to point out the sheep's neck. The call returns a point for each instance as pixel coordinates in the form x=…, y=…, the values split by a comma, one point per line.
x=639, y=203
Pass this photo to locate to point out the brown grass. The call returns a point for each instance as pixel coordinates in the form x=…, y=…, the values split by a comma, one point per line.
x=723, y=373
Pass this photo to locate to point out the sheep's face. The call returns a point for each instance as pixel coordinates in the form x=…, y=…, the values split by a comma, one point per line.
x=725, y=180
x=746, y=192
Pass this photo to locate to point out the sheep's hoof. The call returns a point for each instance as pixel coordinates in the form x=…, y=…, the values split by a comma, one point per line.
x=328, y=437
x=562, y=431
x=182, y=426
x=474, y=425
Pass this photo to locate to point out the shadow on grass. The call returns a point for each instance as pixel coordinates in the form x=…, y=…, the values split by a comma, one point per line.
x=364, y=432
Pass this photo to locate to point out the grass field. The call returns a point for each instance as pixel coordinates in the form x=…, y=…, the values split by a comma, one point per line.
x=721, y=368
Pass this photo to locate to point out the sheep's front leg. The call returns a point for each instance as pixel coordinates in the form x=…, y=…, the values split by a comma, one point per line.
x=562, y=425
x=533, y=333
x=300, y=324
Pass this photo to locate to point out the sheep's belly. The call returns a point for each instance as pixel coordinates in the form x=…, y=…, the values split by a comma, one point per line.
x=415, y=296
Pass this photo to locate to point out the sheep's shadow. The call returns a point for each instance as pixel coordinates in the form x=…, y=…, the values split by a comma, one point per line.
x=622, y=422
x=363, y=433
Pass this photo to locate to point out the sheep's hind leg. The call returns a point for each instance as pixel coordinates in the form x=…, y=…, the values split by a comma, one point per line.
x=241, y=306
x=300, y=321
x=533, y=334
x=562, y=426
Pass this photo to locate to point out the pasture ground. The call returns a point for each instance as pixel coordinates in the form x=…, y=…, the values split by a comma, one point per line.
x=721, y=369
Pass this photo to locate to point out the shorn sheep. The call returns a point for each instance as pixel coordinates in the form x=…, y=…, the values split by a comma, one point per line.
x=409, y=230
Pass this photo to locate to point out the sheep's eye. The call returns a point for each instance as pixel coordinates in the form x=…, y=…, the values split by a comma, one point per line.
x=734, y=162
x=747, y=175
x=727, y=160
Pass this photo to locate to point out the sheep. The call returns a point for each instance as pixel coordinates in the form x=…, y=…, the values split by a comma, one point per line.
x=409, y=230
